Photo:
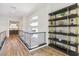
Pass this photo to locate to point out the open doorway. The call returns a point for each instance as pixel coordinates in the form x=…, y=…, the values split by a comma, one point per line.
x=13, y=27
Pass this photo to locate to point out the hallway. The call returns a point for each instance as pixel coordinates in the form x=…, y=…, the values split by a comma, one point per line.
x=13, y=47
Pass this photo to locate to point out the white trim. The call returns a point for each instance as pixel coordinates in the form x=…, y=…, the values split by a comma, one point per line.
x=38, y=48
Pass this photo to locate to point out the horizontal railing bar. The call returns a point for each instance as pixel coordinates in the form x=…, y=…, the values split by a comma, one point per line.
x=2, y=32
x=32, y=32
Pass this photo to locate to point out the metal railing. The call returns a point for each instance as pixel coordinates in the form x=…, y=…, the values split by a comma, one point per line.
x=2, y=38
x=33, y=40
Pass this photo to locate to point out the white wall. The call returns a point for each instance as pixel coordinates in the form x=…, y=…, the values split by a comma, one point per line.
x=56, y=6
x=4, y=24
x=43, y=17
x=24, y=24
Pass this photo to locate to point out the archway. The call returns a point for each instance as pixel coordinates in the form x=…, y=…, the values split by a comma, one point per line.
x=13, y=27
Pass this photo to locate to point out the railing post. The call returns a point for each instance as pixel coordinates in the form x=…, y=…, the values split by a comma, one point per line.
x=44, y=37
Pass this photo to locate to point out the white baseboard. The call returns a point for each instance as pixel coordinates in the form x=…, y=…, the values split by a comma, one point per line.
x=38, y=48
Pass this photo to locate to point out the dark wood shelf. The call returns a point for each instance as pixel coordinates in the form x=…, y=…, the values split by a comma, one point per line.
x=61, y=33
x=71, y=7
x=74, y=25
x=50, y=20
x=63, y=41
x=58, y=47
x=68, y=43
x=74, y=6
x=63, y=49
x=65, y=17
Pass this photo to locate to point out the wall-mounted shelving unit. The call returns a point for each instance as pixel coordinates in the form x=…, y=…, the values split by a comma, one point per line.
x=63, y=30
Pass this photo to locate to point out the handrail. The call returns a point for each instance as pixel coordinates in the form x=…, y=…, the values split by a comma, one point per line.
x=2, y=38
x=22, y=31
x=31, y=32
x=33, y=40
x=36, y=32
x=2, y=32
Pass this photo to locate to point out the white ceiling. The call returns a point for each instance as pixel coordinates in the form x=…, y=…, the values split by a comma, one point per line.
x=21, y=9
x=17, y=9
x=56, y=6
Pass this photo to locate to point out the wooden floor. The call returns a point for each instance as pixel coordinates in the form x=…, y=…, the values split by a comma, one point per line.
x=14, y=47
x=47, y=51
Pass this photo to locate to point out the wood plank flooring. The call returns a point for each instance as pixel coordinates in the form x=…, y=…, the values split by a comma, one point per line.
x=47, y=51
x=14, y=47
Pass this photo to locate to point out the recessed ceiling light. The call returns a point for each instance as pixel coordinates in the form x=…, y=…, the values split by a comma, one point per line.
x=35, y=17
x=13, y=7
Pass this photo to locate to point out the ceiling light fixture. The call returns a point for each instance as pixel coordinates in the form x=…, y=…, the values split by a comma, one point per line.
x=13, y=9
x=35, y=17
